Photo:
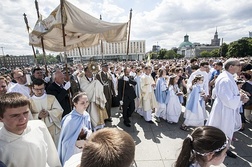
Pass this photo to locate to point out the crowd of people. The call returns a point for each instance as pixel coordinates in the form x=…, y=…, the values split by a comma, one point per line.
x=68, y=109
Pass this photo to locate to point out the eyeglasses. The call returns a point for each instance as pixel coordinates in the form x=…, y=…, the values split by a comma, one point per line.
x=16, y=78
x=237, y=65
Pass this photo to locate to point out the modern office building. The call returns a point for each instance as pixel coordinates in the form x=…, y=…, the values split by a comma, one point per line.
x=110, y=51
x=16, y=61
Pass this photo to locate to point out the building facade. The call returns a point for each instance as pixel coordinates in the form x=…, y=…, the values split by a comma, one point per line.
x=189, y=49
x=110, y=51
x=216, y=40
x=16, y=61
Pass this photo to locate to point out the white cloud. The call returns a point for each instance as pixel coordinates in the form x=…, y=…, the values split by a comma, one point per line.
x=162, y=21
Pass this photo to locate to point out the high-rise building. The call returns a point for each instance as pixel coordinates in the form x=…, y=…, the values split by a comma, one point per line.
x=250, y=34
x=216, y=40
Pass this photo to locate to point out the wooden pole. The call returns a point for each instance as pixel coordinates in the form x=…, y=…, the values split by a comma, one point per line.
x=28, y=29
x=63, y=36
x=80, y=55
x=101, y=43
x=127, y=54
x=64, y=44
x=42, y=39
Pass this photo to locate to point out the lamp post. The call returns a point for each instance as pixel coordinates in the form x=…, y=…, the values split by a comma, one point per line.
x=2, y=51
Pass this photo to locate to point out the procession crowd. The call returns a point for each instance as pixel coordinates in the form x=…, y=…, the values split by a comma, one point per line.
x=57, y=115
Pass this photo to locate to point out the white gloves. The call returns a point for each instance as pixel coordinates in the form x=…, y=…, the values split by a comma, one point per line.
x=121, y=102
x=125, y=78
x=47, y=79
x=67, y=85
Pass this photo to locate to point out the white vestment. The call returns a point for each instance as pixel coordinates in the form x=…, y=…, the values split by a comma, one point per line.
x=25, y=90
x=51, y=104
x=33, y=148
x=148, y=99
x=173, y=108
x=225, y=111
x=97, y=100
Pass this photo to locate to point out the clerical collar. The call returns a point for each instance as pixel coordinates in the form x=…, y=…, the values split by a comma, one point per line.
x=38, y=98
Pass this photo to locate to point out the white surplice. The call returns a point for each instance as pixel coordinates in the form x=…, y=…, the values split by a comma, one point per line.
x=225, y=111
x=33, y=148
x=51, y=104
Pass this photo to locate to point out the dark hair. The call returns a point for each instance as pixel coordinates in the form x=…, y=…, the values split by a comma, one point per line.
x=12, y=100
x=138, y=69
x=38, y=82
x=197, y=78
x=77, y=96
x=194, y=67
x=171, y=80
x=202, y=141
x=108, y=147
x=246, y=75
x=219, y=63
x=204, y=63
x=161, y=72
x=193, y=60
x=36, y=69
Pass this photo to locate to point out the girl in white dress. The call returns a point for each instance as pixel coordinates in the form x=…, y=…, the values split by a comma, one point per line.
x=194, y=114
x=204, y=147
x=173, y=105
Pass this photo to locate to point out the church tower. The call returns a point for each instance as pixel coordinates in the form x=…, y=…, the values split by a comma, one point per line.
x=216, y=40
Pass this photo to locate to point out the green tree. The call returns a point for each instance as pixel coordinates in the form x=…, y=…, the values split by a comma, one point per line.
x=215, y=53
x=240, y=48
x=224, y=50
x=162, y=53
x=205, y=54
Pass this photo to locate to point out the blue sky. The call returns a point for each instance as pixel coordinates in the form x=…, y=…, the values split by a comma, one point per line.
x=161, y=21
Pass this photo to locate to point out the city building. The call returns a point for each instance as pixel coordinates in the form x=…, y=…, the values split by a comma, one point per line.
x=156, y=48
x=111, y=51
x=189, y=49
x=216, y=40
x=16, y=61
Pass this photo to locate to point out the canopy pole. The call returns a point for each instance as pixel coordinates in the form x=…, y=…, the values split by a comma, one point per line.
x=64, y=44
x=80, y=55
x=101, y=44
x=27, y=27
x=63, y=36
x=127, y=54
x=42, y=39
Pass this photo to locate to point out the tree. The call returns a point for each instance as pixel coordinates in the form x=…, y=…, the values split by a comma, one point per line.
x=224, y=50
x=205, y=54
x=240, y=48
x=162, y=53
x=215, y=53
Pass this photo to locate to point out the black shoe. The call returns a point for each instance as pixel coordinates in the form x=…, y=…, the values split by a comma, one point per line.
x=127, y=124
x=150, y=122
x=230, y=154
x=108, y=120
x=184, y=127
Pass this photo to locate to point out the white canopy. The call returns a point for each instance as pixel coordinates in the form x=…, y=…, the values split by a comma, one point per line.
x=81, y=30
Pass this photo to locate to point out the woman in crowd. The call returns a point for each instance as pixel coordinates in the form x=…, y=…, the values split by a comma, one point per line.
x=204, y=147
x=75, y=128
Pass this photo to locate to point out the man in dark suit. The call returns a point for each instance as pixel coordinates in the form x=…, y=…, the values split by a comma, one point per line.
x=108, y=88
x=59, y=88
x=126, y=94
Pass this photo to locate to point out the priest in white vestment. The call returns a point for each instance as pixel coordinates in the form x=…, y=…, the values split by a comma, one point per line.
x=24, y=143
x=148, y=99
x=96, y=97
x=46, y=108
x=225, y=113
x=21, y=85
